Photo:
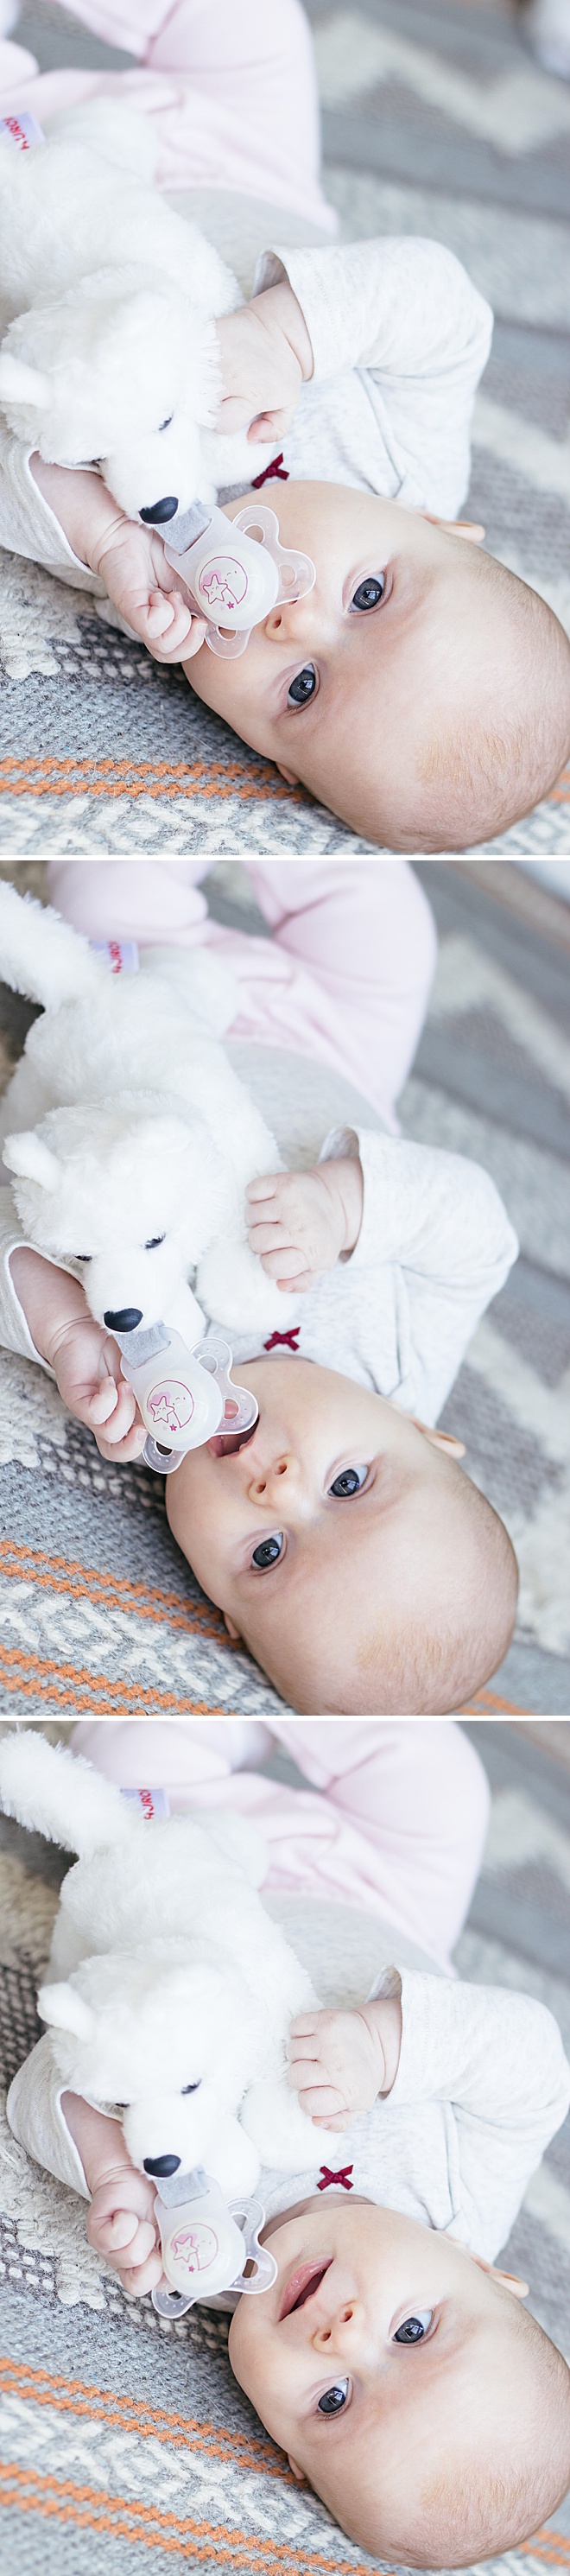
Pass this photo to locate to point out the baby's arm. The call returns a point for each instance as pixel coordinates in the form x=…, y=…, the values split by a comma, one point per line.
x=129, y=559
x=406, y=312
x=302, y=1222
x=340, y=2062
x=121, y=2223
x=85, y=1360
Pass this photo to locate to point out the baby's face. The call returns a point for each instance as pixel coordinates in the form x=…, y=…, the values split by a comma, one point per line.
x=337, y=687
x=302, y=1535
x=375, y=2330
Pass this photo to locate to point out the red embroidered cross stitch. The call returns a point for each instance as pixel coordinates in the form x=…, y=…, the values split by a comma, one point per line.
x=343, y=2177
x=276, y=470
x=291, y=1339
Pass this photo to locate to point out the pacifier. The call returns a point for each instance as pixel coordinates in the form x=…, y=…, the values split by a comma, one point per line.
x=185, y=1396
x=206, y=2246
x=236, y=576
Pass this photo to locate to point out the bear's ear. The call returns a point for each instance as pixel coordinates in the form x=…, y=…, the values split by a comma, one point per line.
x=19, y=383
x=64, y=2009
x=31, y=1159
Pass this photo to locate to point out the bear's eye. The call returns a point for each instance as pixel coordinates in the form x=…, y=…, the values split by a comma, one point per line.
x=165, y=424
x=153, y=1241
x=191, y=2088
x=83, y=1256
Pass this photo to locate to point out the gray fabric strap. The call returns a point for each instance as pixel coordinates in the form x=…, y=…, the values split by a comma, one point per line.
x=142, y=1345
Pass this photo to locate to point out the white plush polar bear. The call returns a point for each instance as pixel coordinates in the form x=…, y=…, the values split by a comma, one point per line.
x=129, y=1135
x=107, y=307
x=169, y=1990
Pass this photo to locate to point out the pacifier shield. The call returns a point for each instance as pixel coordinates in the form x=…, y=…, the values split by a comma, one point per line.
x=170, y=1404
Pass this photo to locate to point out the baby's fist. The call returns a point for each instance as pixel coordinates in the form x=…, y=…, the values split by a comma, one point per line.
x=337, y=2065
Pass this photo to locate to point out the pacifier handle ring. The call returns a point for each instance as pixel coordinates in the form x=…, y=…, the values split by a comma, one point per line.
x=229, y=645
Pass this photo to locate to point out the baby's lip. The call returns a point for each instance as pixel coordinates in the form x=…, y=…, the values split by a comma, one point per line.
x=226, y=1444
x=302, y=2285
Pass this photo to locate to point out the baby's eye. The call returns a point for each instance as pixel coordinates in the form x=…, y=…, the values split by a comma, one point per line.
x=269, y=1551
x=414, y=2328
x=334, y=2398
x=303, y=687
x=153, y=1241
x=349, y=1482
x=370, y=591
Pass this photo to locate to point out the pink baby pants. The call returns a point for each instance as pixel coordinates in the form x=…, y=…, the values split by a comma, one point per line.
x=394, y=1824
x=230, y=86
x=345, y=977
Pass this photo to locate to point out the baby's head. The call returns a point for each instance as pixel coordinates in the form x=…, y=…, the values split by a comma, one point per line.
x=430, y=2413
x=361, y=1567
x=420, y=689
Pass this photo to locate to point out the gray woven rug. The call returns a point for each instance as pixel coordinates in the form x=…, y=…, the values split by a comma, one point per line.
x=99, y=1613
x=124, y=2439
x=435, y=121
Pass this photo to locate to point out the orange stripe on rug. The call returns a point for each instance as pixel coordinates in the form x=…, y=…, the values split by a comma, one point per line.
x=74, y=1688
x=77, y=2397
x=147, y=778
x=128, y=2519
x=486, y=1705
x=65, y=1574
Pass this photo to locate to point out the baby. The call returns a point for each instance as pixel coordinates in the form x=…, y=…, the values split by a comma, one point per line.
x=419, y=689
x=342, y=1541
x=391, y=2359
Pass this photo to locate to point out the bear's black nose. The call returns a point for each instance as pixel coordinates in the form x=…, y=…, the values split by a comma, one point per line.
x=161, y=2164
x=165, y=509
x=124, y=1319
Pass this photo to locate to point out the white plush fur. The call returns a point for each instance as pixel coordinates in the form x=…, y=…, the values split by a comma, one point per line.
x=124, y=1121
x=107, y=306
x=166, y=1972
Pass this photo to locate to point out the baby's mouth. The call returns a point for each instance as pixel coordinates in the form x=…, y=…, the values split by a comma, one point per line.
x=302, y=2286
x=226, y=1444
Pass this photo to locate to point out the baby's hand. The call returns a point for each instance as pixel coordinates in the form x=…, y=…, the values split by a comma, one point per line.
x=340, y=2061
x=266, y=355
x=121, y=2225
x=137, y=577
x=129, y=558
x=87, y=1365
x=85, y=1360
x=301, y=1222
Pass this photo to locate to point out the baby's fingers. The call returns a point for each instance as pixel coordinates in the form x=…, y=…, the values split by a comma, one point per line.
x=170, y=629
x=323, y=2102
x=137, y=2281
x=264, y=1188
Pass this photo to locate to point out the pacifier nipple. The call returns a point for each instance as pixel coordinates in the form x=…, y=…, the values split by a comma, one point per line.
x=240, y=1410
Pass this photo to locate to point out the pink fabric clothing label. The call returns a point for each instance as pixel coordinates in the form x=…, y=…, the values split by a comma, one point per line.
x=153, y=1803
x=22, y=131
x=122, y=954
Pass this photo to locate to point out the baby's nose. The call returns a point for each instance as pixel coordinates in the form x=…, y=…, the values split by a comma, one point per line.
x=269, y=1480
x=292, y=622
